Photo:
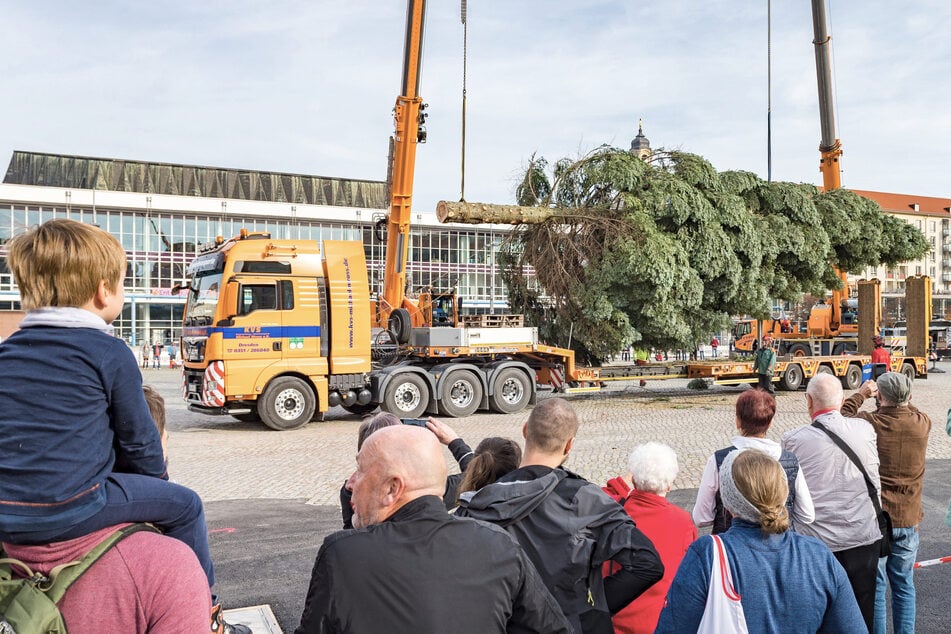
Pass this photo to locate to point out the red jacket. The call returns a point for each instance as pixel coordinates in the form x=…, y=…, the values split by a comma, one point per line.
x=145, y=583
x=672, y=531
x=881, y=355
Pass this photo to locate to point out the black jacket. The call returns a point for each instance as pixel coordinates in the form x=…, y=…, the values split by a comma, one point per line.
x=460, y=451
x=569, y=527
x=424, y=570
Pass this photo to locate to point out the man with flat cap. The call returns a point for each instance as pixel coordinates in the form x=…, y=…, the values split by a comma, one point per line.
x=410, y=567
x=902, y=432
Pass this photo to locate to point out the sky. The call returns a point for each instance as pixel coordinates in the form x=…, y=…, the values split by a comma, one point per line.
x=308, y=86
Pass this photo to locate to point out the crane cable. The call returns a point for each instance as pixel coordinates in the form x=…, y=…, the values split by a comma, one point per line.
x=465, y=39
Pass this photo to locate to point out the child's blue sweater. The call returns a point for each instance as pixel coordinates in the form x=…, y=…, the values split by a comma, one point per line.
x=70, y=400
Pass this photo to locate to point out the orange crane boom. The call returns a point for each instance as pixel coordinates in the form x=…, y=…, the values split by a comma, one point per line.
x=394, y=310
x=830, y=147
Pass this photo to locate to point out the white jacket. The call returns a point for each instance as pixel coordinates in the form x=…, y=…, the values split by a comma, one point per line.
x=705, y=506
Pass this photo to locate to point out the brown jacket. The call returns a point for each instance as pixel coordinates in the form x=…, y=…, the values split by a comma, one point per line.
x=902, y=440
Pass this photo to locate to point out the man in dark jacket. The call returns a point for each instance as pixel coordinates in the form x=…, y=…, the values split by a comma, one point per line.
x=411, y=567
x=902, y=432
x=568, y=526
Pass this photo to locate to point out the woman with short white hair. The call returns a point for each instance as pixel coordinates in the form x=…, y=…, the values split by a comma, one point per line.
x=652, y=469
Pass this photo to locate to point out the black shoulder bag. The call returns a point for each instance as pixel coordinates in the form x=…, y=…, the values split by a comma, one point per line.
x=884, y=519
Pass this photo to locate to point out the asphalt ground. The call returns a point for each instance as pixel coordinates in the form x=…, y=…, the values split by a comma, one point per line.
x=271, y=497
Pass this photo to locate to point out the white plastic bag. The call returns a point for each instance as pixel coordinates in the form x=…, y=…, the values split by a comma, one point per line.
x=723, y=613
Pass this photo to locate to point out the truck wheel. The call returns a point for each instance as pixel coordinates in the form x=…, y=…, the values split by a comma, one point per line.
x=385, y=348
x=287, y=403
x=800, y=350
x=908, y=370
x=792, y=378
x=512, y=391
x=406, y=395
x=401, y=324
x=461, y=394
x=853, y=377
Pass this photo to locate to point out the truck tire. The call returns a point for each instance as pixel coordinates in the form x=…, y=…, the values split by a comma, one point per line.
x=792, y=378
x=401, y=324
x=852, y=379
x=824, y=369
x=800, y=350
x=512, y=391
x=385, y=348
x=287, y=403
x=908, y=370
x=406, y=395
x=461, y=394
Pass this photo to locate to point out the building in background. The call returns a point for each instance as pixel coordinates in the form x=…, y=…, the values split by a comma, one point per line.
x=162, y=212
x=932, y=216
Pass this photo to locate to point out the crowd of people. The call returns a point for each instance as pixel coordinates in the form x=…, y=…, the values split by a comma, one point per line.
x=155, y=352
x=798, y=524
x=807, y=534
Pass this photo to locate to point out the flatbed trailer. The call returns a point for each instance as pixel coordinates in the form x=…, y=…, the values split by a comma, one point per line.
x=790, y=373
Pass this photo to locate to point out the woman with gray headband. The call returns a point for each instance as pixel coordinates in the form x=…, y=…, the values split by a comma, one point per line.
x=786, y=582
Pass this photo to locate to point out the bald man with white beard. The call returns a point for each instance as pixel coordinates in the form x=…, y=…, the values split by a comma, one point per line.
x=409, y=566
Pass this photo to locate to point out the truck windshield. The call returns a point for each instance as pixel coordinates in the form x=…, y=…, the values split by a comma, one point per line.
x=741, y=328
x=202, y=299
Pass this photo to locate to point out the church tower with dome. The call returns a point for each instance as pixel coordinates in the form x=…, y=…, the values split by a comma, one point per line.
x=641, y=146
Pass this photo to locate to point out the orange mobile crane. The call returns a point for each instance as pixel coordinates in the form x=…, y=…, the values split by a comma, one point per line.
x=392, y=309
x=833, y=327
x=830, y=150
x=827, y=332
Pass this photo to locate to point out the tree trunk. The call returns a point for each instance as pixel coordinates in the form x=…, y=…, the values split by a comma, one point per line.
x=487, y=213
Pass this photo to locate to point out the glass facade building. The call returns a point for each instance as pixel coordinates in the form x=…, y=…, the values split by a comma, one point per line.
x=161, y=231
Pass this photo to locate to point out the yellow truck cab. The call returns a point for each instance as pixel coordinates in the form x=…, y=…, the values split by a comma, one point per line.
x=275, y=330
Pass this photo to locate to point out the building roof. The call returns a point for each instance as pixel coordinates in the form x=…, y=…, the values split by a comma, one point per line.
x=909, y=203
x=83, y=172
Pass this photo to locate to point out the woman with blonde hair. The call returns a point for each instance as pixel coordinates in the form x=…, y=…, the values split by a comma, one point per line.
x=785, y=582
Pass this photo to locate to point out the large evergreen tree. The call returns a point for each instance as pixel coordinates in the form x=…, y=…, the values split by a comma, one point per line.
x=662, y=254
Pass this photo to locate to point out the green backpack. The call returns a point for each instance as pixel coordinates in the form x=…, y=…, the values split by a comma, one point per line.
x=28, y=605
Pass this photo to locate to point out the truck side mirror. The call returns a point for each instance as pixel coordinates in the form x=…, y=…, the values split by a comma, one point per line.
x=229, y=302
